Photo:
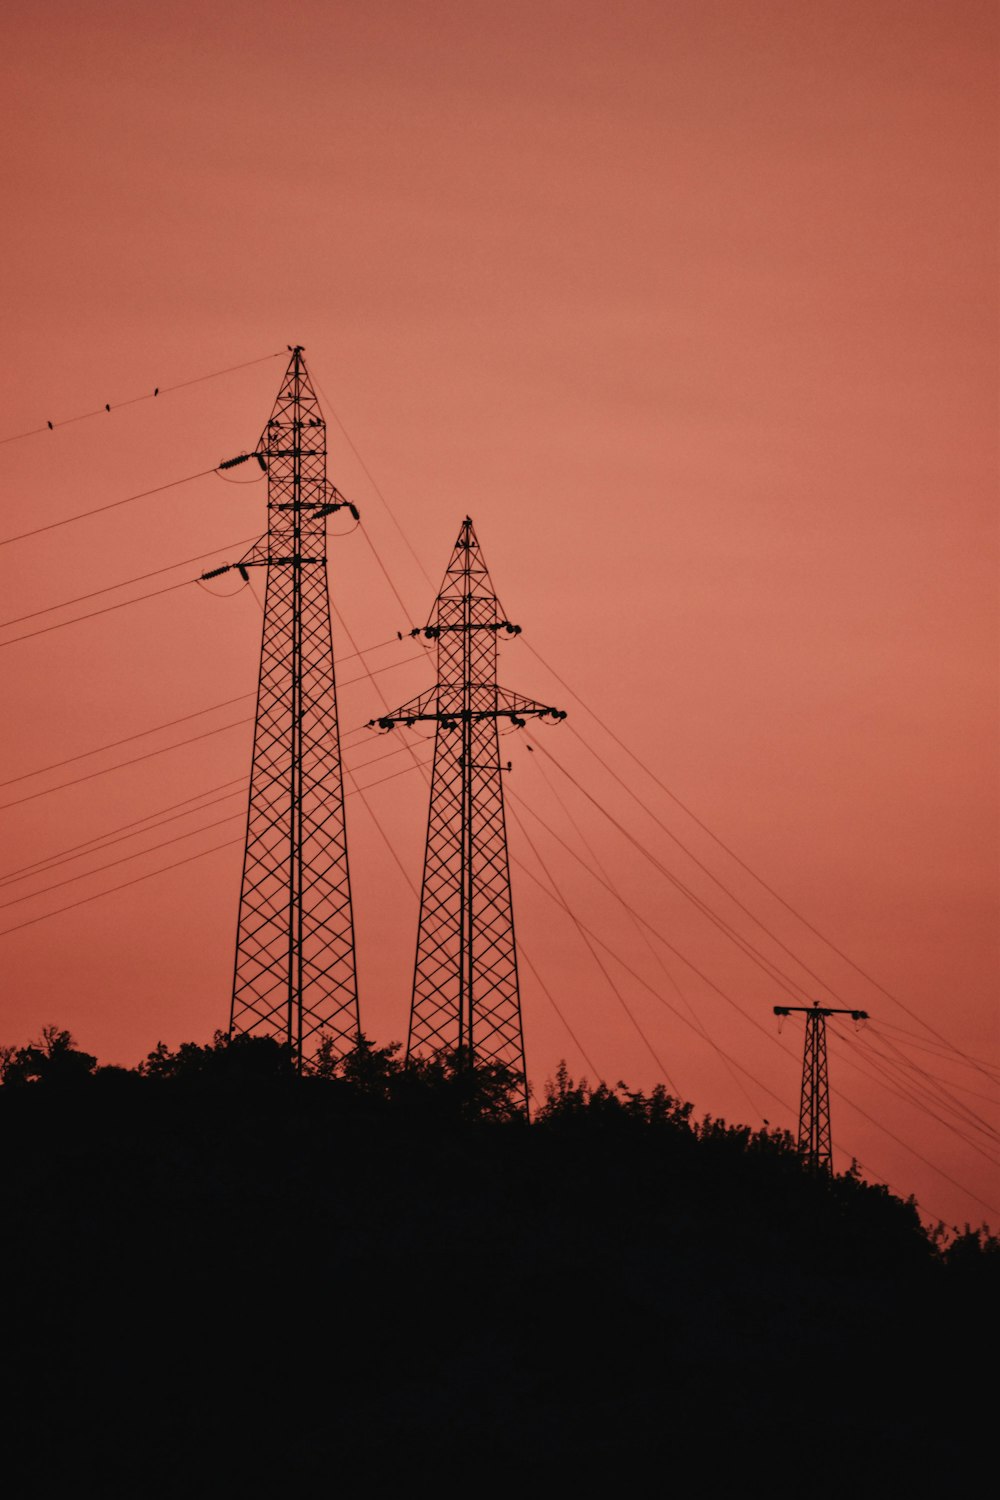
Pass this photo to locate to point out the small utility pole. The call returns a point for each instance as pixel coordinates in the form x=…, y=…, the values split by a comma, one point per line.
x=814, y=1106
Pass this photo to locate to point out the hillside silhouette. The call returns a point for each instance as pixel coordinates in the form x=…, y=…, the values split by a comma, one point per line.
x=219, y=1275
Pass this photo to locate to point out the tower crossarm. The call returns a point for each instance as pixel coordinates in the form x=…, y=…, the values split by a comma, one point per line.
x=819, y=1010
x=262, y=554
x=421, y=707
x=433, y=630
x=425, y=708
x=515, y=706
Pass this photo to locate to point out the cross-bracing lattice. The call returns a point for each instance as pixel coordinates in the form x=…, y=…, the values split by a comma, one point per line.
x=466, y=998
x=295, y=959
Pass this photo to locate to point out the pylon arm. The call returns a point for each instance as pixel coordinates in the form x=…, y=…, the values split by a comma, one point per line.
x=258, y=557
x=425, y=708
x=820, y=1010
x=519, y=707
x=252, y=561
x=241, y=458
x=432, y=632
x=421, y=707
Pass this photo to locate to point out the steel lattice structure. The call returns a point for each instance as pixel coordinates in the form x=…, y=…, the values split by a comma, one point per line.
x=814, y=1105
x=466, y=999
x=295, y=974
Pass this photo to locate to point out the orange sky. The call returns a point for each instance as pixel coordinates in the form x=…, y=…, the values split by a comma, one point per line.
x=693, y=308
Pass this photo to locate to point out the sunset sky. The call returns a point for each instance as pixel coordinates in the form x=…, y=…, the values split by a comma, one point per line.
x=692, y=306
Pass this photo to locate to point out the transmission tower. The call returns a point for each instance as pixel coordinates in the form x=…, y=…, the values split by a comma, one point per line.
x=465, y=986
x=295, y=961
x=814, y=1105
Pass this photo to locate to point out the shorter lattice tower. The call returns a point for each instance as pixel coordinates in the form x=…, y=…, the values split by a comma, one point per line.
x=466, y=999
x=294, y=976
x=814, y=1105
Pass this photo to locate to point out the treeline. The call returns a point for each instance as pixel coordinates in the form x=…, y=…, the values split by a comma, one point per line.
x=220, y=1275
x=373, y=1084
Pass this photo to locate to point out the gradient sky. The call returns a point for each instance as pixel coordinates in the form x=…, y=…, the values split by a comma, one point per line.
x=693, y=307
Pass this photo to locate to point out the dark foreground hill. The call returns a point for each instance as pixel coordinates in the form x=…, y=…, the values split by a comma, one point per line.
x=218, y=1278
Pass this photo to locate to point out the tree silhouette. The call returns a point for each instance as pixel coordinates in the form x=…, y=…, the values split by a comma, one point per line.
x=443, y=1085
x=448, y=1085
x=365, y=1068
x=53, y=1060
x=226, y=1060
x=570, y=1103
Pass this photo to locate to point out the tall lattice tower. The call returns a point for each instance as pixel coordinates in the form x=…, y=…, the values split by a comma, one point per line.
x=295, y=959
x=814, y=1105
x=465, y=985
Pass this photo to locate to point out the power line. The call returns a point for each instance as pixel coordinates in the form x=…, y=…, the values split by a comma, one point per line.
x=96, y=895
x=112, y=890
x=373, y=760
x=699, y=823
x=524, y=956
x=663, y=787
x=930, y=1087
x=125, y=831
x=99, y=509
x=124, y=603
x=371, y=480
x=911, y=1093
x=164, y=843
x=121, y=765
x=123, y=859
x=750, y=871
x=107, y=609
x=132, y=829
x=677, y=800
x=124, y=583
x=943, y=1050
x=748, y=1017
x=940, y=1086
x=721, y=1052
x=773, y=972
x=422, y=766
x=846, y=1098
x=701, y=866
x=466, y=991
x=658, y=958
x=781, y=978
x=126, y=740
x=399, y=600
x=162, y=390
x=342, y=623
x=561, y=900
x=407, y=614
x=360, y=791
x=15, y=802
x=914, y=1152
x=661, y=998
